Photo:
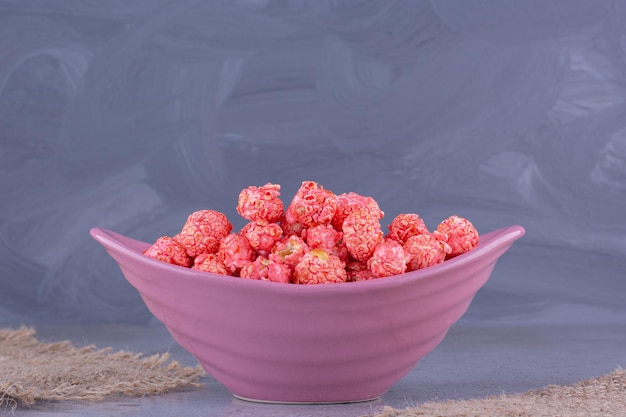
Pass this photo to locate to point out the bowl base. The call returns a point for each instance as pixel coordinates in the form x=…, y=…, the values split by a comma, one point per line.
x=254, y=400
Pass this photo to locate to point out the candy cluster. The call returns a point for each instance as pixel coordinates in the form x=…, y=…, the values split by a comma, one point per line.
x=318, y=238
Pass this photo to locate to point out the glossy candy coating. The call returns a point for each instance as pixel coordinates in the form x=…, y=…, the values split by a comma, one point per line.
x=320, y=267
x=262, y=235
x=459, y=233
x=311, y=205
x=389, y=259
x=209, y=262
x=362, y=233
x=403, y=226
x=349, y=203
x=261, y=203
x=203, y=232
x=166, y=249
x=425, y=250
x=234, y=252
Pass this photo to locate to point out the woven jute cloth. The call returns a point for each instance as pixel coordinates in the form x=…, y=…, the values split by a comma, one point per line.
x=32, y=371
x=604, y=396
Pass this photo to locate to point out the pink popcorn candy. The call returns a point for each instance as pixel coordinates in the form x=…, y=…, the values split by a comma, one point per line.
x=266, y=269
x=320, y=267
x=403, y=226
x=261, y=203
x=311, y=205
x=250, y=270
x=262, y=235
x=291, y=229
x=352, y=202
x=203, y=232
x=389, y=258
x=459, y=233
x=290, y=249
x=361, y=233
x=425, y=250
x=209, y=262
x=234, y=252
x=322, y=236
x=340, y=250
x=166, y=249
x=358, y=271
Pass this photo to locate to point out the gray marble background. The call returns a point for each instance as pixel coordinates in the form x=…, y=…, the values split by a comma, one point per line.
x=130, y=114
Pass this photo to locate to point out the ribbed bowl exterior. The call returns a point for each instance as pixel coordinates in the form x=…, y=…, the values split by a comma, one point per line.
x=276, y=342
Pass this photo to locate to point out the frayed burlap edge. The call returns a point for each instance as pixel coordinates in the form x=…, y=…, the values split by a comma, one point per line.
x=32, y=371
x=604, y=396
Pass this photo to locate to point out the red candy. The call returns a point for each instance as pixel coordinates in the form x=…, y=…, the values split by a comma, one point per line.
x=459, y=233
x=403, y=226
x=351, y=203
x=312, y=205
x=203, y=232
x=166, y=249
x=261, y=203
x=266, y=269
x=209, y=262
x=362, y=234
x=322, y=236
x=320, y=267
x=262, y=235
x=234, y=252
x=388, y=259
x=290, y=249
x=319, y=238
x=425, y=250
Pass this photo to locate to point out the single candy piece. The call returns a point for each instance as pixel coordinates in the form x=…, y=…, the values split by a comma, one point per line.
x=322, y=236
x=388, y=259
x=361, y=233
x=261, y=203
x=267, y=269
x=250, y=270
x=459, y=233
x=209, y=262
x=358, y=271
x=425, y=250
x=279, y=272
x=320, y=267
x=166, y=249
x=234, y=252
x=290, y=249
x=311, y=205
x=262, y=235
x=203, y=232
x=349, y=203
x=403, y=226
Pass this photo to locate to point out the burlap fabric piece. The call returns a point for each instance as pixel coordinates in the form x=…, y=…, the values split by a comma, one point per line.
x=33, y=371
x=604, y=396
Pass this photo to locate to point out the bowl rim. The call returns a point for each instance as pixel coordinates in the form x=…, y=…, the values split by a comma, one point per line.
x=488, y=243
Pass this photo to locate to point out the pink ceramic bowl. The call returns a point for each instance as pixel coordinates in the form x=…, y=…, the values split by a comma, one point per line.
x=275, y=342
